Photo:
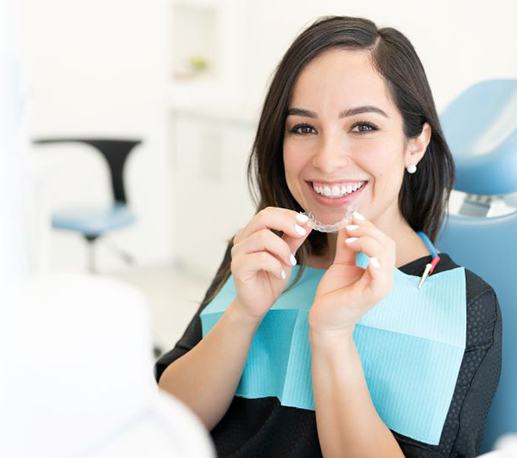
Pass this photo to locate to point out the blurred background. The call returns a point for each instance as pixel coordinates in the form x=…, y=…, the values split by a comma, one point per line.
x=187, y=79
x=126, y=127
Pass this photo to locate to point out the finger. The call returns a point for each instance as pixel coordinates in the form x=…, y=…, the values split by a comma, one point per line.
x=369, y=246
x=294, y=243
x=359, y=224
x=281, y=219
x=380, y=266
x=246, y=266
x=367, y=229
x=265, y=240
x=345, y=254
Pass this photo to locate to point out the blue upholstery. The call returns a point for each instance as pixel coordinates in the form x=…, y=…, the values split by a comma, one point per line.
x=481, y=129
x=93, y=222
x=488, y=246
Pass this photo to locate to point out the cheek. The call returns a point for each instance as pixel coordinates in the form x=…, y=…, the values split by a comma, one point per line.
x=380, y=159
x=293, y=160
x=291, y=167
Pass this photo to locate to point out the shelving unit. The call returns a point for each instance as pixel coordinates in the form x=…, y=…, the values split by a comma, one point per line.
x=207, y=50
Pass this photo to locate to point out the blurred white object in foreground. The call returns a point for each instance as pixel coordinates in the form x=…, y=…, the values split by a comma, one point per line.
x=505, y=447
x=81, y=377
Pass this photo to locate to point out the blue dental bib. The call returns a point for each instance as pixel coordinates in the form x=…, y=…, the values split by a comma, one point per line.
x=411, y=345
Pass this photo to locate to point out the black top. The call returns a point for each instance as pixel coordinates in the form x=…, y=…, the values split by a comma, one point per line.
x=264, y=428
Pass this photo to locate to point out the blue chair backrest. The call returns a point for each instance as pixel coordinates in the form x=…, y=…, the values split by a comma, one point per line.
x=488, y=247
x=480, y=127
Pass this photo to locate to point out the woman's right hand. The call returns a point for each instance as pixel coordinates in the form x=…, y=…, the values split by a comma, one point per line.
x=262, y=261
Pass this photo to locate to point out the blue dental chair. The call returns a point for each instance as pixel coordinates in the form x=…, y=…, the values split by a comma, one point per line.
x=93, y=223
x=481, y=129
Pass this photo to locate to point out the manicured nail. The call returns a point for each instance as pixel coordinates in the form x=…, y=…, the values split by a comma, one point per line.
x=375, y=263
x=358, y=215
x=351, y=239
x=352, y=227
x=293, y=260
x=300, y=217
x=283, y=274
x=299, y=230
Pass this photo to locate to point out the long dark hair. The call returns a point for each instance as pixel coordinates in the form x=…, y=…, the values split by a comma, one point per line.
x=422, y=202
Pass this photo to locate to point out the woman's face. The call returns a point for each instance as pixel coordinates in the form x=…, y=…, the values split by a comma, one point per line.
x=344, y=132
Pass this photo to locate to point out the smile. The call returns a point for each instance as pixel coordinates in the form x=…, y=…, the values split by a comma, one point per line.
x=337, y=191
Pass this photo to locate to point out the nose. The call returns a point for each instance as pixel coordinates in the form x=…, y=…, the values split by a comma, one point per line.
x=331, y=155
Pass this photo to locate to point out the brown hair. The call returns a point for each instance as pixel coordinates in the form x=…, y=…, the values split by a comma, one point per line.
x=422, y=202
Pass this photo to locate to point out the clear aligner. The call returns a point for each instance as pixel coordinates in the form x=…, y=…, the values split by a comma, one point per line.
x=321, y=227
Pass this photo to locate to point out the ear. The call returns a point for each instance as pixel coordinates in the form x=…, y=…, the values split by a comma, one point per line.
x=416, y=146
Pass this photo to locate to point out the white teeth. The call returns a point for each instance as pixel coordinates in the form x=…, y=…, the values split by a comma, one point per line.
x=338, y=191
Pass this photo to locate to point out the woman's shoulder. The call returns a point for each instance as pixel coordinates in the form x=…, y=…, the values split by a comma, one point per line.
x=483, y=313
x=477, y=287
x=482, y=306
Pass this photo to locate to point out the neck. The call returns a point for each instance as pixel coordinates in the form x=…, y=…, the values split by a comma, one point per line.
x=408, y=244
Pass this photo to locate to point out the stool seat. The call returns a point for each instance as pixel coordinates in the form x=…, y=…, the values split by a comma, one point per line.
x=93, y=221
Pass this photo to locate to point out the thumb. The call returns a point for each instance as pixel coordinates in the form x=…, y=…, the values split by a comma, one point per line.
x=345, y=255
x=296, y=242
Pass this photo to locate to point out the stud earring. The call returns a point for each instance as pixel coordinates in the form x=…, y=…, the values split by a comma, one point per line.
x=411, y=168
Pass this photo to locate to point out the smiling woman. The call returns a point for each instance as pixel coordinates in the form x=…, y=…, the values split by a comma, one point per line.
x=344, y=354
x=329, y=151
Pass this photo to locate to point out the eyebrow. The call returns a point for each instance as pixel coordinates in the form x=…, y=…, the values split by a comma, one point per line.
x=343, y=114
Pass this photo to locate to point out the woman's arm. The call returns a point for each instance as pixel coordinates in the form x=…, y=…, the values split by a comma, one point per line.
x=206, y=378
x=348, y=424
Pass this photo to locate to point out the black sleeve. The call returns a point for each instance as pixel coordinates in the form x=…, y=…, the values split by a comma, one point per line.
x=187, y=342
x=477, y=379
x=193, y=334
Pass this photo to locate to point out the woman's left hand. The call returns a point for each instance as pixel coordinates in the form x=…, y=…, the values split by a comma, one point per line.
x=346, y=292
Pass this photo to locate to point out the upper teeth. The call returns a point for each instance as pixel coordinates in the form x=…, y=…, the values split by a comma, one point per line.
x=337, y=190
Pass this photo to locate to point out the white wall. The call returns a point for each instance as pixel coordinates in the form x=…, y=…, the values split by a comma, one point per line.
x=104, y=67
x=100, y=68
x=459, y=42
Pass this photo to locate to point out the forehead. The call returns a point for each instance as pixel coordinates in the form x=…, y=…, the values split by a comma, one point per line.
x=341, y=78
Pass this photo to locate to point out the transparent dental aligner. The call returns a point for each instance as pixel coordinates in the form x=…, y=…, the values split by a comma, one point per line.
x=321, y=227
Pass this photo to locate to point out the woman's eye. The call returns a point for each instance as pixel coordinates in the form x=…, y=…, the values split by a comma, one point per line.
x=302, y=129
x=363, y=127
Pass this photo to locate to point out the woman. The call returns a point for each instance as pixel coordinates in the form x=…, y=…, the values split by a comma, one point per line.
x=349, y=119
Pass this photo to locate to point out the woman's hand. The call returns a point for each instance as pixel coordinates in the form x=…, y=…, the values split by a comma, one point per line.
x=346, y=292
x=262, y=261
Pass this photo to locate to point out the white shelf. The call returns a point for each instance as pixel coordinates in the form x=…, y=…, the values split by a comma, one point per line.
x=212, y=31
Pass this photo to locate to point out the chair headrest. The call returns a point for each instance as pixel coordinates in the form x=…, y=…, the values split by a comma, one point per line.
x=480, y=127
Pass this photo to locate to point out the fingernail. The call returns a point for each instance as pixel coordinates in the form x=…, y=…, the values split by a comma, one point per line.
x=293, y=260
x=283, y=274
x=375, y=263
x=352, y=227
x=299, y=230
x=358, y=215
x=300, y=217
x=351, y=240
